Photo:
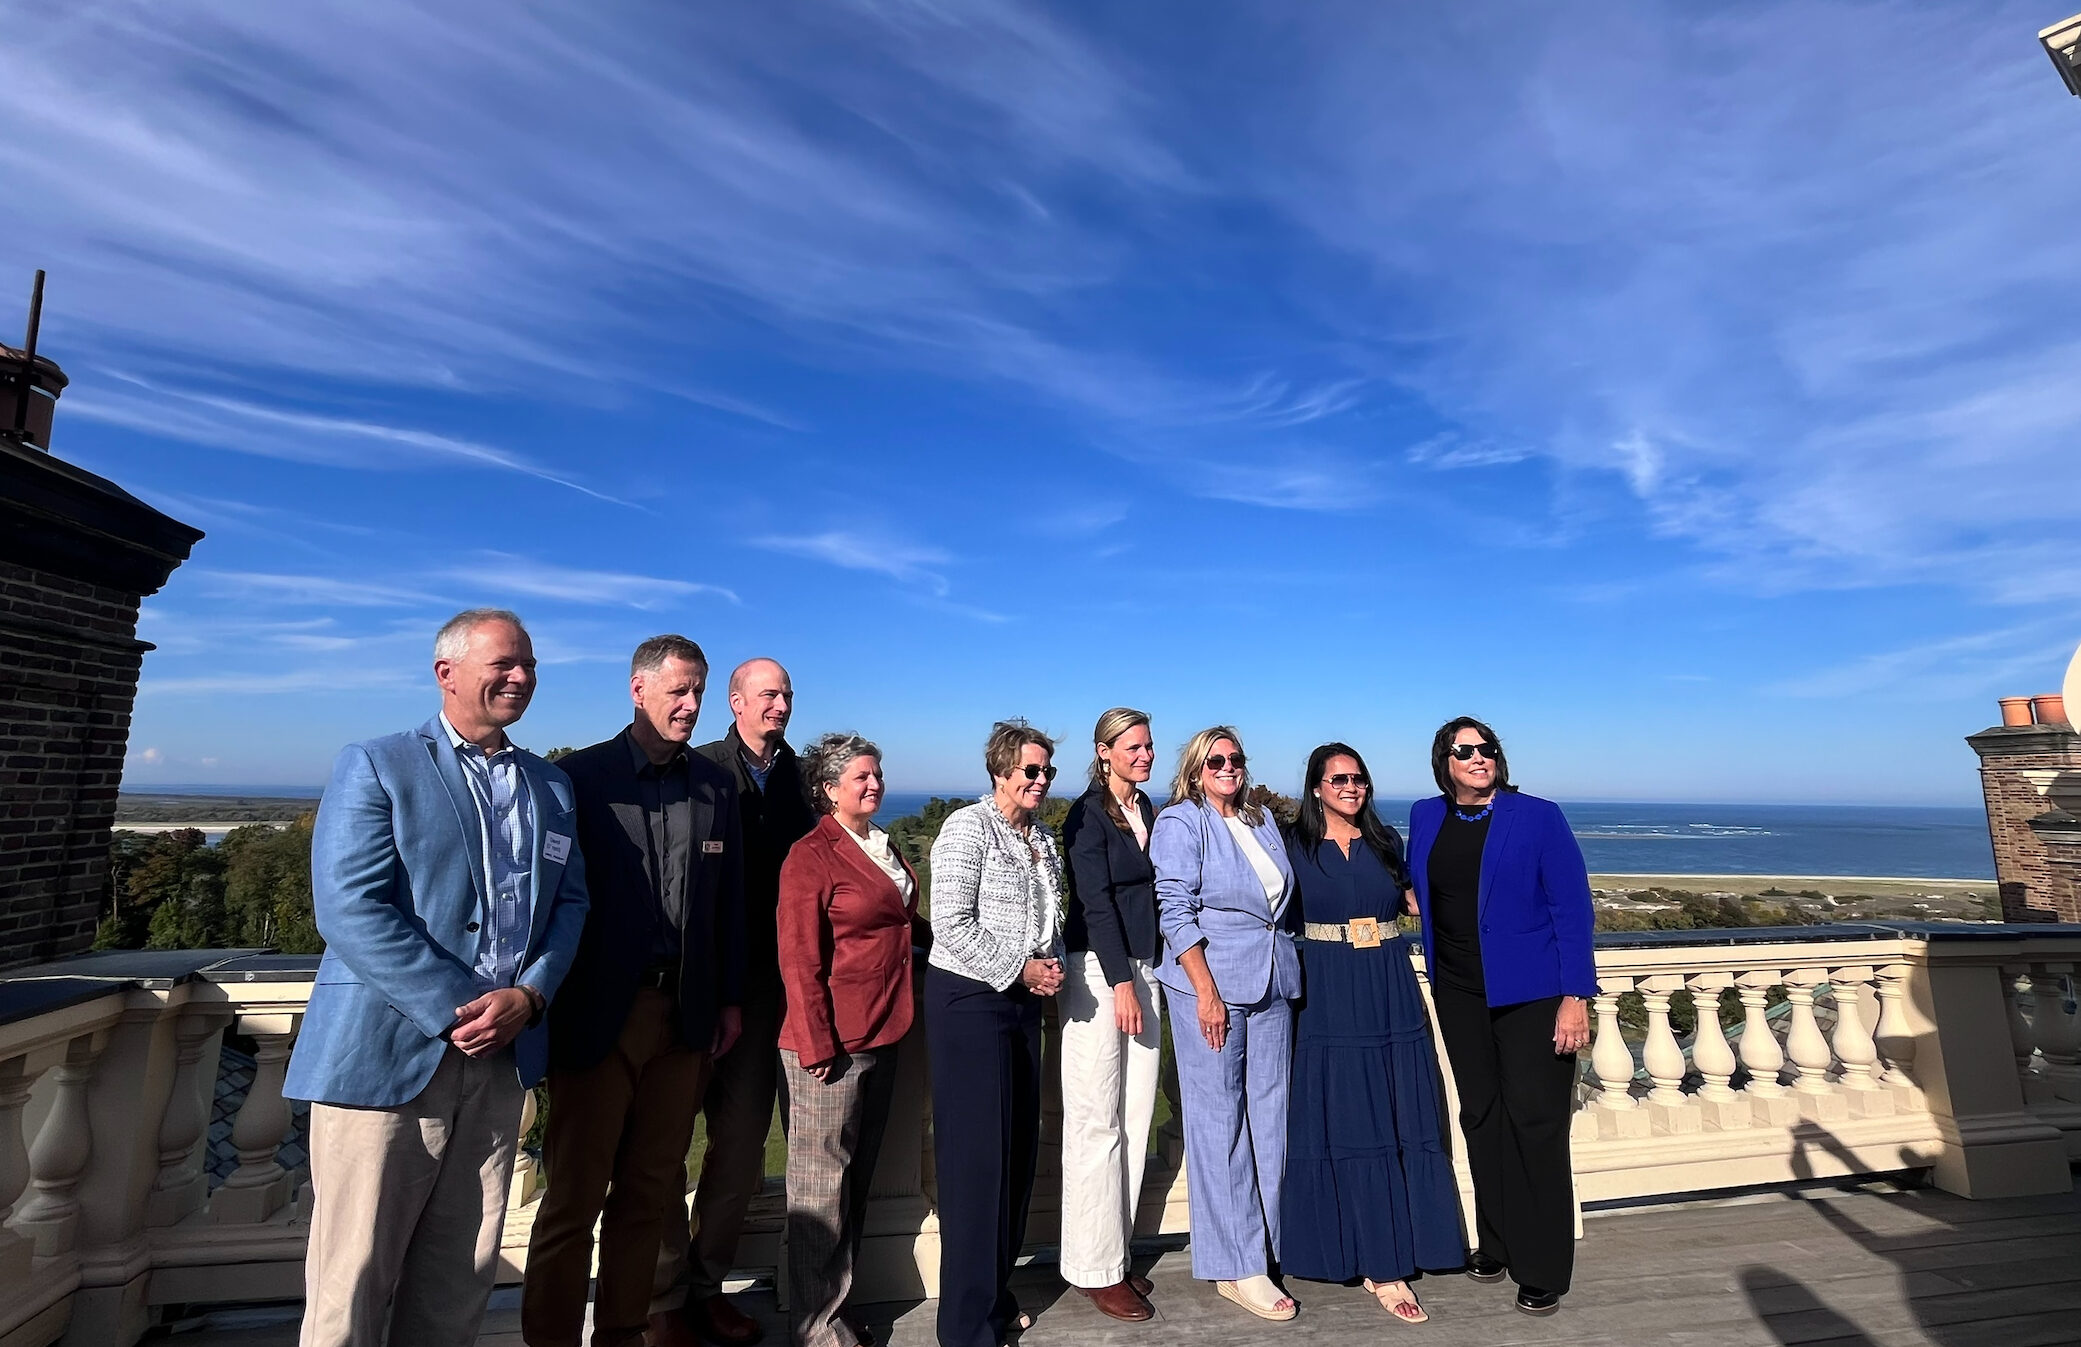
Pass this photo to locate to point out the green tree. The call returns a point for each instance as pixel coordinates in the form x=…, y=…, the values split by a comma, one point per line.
x=267, y=888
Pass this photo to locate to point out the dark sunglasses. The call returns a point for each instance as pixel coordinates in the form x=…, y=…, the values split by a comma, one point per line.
x=1343, y=779
x=1466, y=752
x=1217, y=761
x=1034, y=772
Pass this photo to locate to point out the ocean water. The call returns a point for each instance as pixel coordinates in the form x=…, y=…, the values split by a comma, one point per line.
x=1671, y=839
x=1734, y=839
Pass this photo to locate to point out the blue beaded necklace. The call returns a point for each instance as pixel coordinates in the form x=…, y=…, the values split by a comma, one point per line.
x=1465, y=817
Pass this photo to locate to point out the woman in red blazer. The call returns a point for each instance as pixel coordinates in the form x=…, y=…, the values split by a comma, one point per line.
x=847, y=920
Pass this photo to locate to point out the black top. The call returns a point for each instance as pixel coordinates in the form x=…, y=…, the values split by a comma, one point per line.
x=774, y=818
x=620, y=940
x=1455, y=875
x=1112, y=908
x=662, y=790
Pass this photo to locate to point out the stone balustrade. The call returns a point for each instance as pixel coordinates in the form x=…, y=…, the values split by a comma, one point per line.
x=1749, y=1058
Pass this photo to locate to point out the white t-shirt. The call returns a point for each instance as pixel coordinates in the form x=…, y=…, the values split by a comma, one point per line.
x=1260, y=859
x=883, y=853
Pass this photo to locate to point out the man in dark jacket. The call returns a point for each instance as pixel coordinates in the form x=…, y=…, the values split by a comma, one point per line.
x=739, y=1105
x=652, y=1001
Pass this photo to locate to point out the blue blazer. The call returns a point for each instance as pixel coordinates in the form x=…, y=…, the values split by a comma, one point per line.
x=397, y=881
x=1207, y=891
x=1536, y=918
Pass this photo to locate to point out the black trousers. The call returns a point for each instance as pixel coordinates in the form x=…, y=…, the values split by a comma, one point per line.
x=986, y=1078
x=1515, y=1098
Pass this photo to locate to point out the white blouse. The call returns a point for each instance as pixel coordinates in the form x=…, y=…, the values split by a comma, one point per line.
x=882, y=852
x=1260, y=859
x=1134, y=820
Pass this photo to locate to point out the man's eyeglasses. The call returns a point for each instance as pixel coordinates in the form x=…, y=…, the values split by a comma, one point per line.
x=1217, y=761
x=1466, y=752
x=1343, y=779
x=1034, y=771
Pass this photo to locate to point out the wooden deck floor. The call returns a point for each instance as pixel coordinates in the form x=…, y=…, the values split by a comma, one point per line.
x=1826, y=1269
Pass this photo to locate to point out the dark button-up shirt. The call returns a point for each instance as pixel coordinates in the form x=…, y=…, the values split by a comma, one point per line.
x=667, y=830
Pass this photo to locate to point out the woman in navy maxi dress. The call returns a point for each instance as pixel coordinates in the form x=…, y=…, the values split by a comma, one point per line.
x=1369, y=1191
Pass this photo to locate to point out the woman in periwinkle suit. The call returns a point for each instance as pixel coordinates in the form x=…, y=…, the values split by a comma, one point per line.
x=1230, y=973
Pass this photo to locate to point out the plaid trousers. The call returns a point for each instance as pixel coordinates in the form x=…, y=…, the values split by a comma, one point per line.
x=834, y=1136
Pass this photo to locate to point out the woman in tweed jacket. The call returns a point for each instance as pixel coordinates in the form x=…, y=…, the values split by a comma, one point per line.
x=996, y=954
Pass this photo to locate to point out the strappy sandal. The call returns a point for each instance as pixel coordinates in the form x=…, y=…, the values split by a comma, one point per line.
x=1408, y=1311
x=1263, y=1310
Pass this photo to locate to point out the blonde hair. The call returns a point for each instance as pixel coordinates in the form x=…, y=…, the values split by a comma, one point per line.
x=1193, y=759
x=1110, y=727
x=1008, y=738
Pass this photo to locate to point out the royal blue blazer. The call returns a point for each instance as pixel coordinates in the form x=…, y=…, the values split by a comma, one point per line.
x=397, y=883
x=1536, y=918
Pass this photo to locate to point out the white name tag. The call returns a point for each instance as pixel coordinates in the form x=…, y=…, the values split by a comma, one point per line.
x=556, y=847
x=711, y=848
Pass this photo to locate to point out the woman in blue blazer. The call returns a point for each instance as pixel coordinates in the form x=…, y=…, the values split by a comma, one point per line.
x=1505, y=900
x=1229, y=973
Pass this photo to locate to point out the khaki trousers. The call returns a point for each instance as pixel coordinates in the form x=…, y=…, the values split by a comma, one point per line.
x=408, y=1206
x=614, y=1147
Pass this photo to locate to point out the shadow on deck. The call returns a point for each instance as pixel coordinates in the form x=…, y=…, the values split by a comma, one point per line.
x=1861, y=1267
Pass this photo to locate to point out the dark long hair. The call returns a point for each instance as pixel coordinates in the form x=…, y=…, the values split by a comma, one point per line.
x=1312, y=827
x=1441, y=753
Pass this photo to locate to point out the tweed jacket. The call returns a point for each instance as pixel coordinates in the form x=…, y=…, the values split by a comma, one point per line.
x=994, y=906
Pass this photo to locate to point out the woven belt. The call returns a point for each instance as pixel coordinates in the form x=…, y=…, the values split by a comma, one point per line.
x=1364, y=933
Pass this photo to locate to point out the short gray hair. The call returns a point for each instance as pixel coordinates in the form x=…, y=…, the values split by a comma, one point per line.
x=825, y=761
x=652, y=654
x=452, y=641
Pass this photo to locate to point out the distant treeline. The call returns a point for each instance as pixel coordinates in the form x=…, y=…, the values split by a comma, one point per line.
x=147, y=808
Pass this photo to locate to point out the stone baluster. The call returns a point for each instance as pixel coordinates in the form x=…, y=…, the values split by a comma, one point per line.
x=259, y=1186
x=2055, y=1028
x=2022, y=1035
x=1668, y=1109
x=58, y=1157
x=1760, y=1055
x=1718, y=1104
x=16, y=1250
x=1807, y=1051
x=527, y=1170
x=1854, y=1046
x=1618, y=1113
x=1896, y=1037
x=183, y=1183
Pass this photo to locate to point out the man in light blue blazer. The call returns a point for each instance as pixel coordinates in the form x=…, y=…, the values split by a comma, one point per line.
x=451, y=899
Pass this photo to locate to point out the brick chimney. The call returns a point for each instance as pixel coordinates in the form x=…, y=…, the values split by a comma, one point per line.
x=2031, y=776
x=78, y=554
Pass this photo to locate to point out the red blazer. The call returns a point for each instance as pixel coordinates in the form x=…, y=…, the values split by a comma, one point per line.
x=845, y=941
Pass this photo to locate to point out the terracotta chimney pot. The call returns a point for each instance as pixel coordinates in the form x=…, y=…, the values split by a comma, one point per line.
x=2015, y=710
x=2050, y=708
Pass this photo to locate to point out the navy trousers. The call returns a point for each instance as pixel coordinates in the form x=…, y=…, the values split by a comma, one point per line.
x=986, y=1083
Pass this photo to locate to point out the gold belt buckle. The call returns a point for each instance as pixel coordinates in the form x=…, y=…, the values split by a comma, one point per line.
x=1365, y=932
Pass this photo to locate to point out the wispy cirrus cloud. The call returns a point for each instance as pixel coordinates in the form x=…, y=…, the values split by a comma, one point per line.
x=313, y=590
x=503, y=573
x=911, y=563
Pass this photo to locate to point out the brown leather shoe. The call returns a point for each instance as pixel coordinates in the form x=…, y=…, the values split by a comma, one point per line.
x=1119, y=1301
x=720, y=1322
x=862, y=1334
x=1142, y=1285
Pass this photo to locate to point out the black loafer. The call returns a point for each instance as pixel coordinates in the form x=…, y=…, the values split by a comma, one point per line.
x=1482, y=1268
x=1532, y=1300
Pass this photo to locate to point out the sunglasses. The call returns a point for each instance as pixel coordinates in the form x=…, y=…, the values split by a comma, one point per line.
x=1034, y=772
x=1343, y=779
x=1217, y=761
x=1466, y=752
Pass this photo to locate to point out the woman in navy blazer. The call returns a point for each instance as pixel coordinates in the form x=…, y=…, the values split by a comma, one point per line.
x=1505, y=900
x=1230, y=973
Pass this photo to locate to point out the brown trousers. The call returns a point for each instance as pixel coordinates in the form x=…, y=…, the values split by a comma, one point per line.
x=614, y=1147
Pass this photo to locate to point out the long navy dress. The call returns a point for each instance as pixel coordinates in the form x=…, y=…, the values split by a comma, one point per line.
x=1369, y=1190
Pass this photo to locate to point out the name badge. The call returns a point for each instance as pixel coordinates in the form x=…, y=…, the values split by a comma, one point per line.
x=556, y=847
x=711, y=848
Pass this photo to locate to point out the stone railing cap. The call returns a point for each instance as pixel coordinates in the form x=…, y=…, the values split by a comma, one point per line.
x=157, y=969
x=26, y=998
x=261, y=966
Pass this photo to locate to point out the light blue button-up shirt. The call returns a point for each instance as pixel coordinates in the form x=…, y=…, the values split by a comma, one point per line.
x=506, y=832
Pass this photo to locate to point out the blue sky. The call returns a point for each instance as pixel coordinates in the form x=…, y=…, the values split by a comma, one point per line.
x=1687, y=389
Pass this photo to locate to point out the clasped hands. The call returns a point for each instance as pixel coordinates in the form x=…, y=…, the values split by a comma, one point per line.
x=1042, y=977
x=492, y=1021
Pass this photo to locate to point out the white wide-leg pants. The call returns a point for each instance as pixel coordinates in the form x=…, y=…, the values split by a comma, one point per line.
x=1108, y=1095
